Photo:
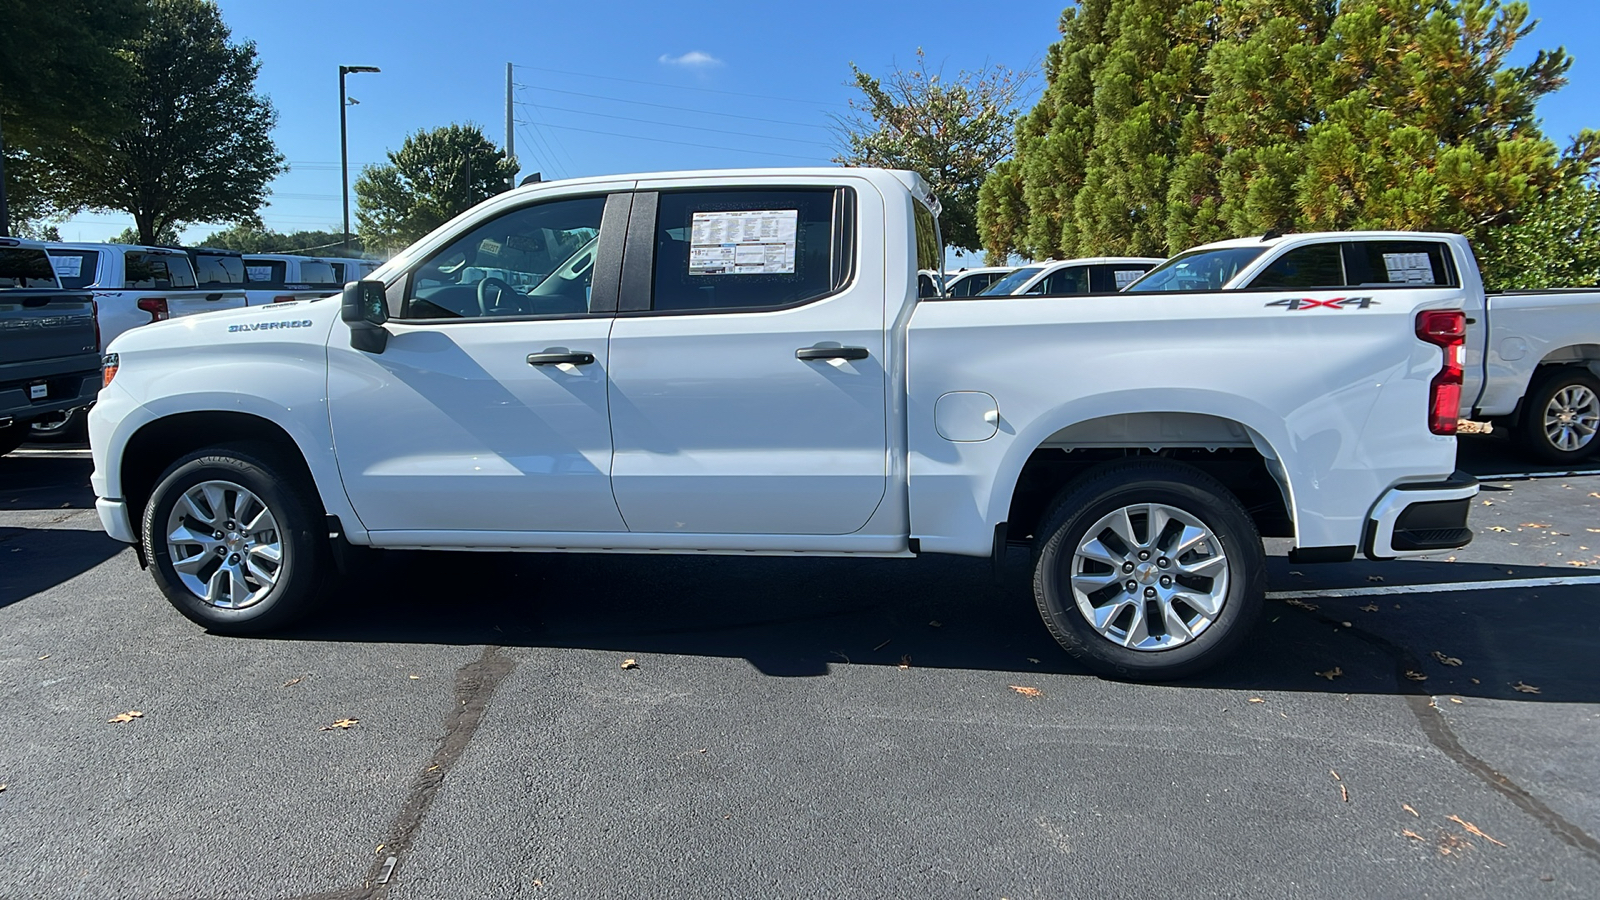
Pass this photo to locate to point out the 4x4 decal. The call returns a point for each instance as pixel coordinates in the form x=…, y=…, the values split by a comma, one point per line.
x=1335, y=303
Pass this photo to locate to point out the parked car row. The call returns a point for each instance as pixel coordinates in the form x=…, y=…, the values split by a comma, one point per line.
x=49, y=343
x=133, y=285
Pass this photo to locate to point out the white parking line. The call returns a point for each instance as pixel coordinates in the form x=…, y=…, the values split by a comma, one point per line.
x=52, y=454
x=1530, y=476
x=1446, y=588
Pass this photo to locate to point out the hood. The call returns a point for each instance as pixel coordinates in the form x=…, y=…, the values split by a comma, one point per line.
x=303, y=322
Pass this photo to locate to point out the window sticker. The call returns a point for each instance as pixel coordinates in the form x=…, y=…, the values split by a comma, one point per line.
x=68, y=266
x=1126, y=277
x=1409, y=268
x=258, y=273
x=744, y=242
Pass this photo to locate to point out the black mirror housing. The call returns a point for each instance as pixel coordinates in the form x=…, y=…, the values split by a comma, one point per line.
x=365, y=308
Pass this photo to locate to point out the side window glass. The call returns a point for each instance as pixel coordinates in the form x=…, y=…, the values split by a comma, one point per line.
x=1074, y=280
x=265, y=271
x=1109, y=279
x=748, y=249
x=537, y=260
x=1397, y=263
x=1310, y=267
x=76, y=268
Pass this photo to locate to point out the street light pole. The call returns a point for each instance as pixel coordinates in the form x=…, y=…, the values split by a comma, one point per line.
x=344, y=152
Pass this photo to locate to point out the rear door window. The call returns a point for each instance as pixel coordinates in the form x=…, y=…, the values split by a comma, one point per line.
x=317, y=272
x=218, y=271
x=1071, y=280
x=157, y=271
x=754, y=249
x=1310, y=267
x=77, y=269
x=1399, y=264
x=1113, y=277
x=265, y=271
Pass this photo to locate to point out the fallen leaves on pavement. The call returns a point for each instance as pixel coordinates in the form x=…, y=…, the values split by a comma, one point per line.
x=1302, y=604
x=1331, y=674
x=935, y=624
x=1407, y=808
x=1344, y=792
x=1576, y=562
x=1535, y=525
x=1473, y=829
x=1029, y=692
x=1447, y=660
x=292, y=682
x=1524, y=688
x=905, y=661
x=630, y=664
x=1413, y=835
x=1256, y=700
x=1498, y=528
x=1416, y=676
x=1370, y=607
x=1374, y=577
x=122, y=718
x=342, y=724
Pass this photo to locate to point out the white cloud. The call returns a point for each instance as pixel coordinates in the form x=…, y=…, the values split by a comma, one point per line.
x=694, y=59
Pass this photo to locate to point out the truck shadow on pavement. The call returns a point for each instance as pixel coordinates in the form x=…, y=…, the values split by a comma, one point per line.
x=34, y=560
x=44, y=482
x=801, y=617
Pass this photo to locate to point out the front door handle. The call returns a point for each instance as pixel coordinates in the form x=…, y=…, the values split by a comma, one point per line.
x=831, y=353
x=560, y=357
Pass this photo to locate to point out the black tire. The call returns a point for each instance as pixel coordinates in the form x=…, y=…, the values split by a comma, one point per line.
x=1102, y=492
x=301, y=533
x=1531, y=431
x=12, y=437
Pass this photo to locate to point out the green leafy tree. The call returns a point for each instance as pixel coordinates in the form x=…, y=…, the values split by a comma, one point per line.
x=1556, y=243
x=253, y=239
x=166, y=237
x=63, y=73
x=1166, y=123
x=199, y=146
x=434, y=176
x=951, y=131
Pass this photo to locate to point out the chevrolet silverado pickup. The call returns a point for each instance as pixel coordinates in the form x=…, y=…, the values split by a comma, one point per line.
x=1531, y=360
x=49, y=347
x=738, y=362
x=136, y=286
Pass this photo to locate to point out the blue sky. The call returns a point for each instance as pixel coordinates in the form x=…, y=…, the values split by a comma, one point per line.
x=644, y=86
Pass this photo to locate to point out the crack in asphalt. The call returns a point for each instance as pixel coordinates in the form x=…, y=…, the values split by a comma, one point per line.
x=475, y=684
x=1437, y=728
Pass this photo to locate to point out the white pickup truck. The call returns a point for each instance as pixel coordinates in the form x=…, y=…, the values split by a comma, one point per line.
x=737, y=362
x=1531, y=358
x=136, y=285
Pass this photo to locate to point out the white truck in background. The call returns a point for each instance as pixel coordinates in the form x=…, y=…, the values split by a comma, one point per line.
x=135, y=285
x=1531, y=359
x=738, y=362
x=1059, y=278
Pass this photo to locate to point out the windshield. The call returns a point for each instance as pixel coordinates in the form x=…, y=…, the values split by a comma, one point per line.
x=1199, y=270
x=1010, y=283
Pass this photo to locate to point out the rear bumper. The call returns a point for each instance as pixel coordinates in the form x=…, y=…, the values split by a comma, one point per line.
x=1413, y=519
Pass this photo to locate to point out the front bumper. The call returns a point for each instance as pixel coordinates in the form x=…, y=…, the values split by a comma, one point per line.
x=1413, y=519
x=114, y=519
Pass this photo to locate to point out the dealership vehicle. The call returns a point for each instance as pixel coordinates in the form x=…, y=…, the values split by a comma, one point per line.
x=49, y=347
x=284, y=277
x=1095, y=275
x=975, y=280
x=134, y=285
x=738, y=362
x=347, y=269
x=1531, y=358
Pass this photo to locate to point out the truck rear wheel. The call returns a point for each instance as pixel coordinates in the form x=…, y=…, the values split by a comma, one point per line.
x=234, y=541
x=1561, y=414
x=1149, y=571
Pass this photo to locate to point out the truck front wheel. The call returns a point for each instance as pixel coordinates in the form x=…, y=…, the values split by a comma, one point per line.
x=1149, y=571
x=1561, y=415
x=232, y=542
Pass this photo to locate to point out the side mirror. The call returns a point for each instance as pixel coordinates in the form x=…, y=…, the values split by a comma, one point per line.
x=366, y=308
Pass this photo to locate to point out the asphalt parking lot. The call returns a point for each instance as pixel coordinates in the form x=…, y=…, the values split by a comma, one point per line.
x=797, y=728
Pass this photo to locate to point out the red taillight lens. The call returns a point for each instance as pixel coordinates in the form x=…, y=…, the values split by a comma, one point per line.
x=108, y=369
x=287, y=298
x=156, y=307
x=1446, y=329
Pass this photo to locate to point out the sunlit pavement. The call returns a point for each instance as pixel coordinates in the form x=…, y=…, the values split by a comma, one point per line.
x=797, y=728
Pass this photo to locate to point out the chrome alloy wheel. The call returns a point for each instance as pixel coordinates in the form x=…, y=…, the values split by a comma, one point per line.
x=1149, y=577
x=1571, y=417
x=224, y=544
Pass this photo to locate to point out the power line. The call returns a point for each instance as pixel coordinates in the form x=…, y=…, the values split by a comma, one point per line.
x=690, y=109
x=535, y=141
x=638, y=137
x=690, y=127
x=681, y=87
x=552, y=138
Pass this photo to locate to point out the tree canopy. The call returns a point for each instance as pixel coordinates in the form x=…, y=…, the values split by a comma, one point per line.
x=1166, y=123
x=252, y=239
x=952, y=131
x=434, y=176
x=198, y=147
x=64, y=69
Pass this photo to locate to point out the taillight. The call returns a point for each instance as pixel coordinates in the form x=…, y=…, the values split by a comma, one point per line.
x=108, y=369
x=286, y=298
x=1446, y=329
x=156, y=307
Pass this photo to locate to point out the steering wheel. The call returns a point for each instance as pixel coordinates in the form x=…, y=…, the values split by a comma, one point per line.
x=501, y=290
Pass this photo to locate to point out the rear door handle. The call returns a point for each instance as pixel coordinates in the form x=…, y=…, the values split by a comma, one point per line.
x=831, y=353
x=562, y=357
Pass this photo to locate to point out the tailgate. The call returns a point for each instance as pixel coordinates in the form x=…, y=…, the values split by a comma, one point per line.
x=40, y=325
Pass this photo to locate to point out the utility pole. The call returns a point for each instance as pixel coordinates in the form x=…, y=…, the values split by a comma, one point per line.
x=511, y=135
